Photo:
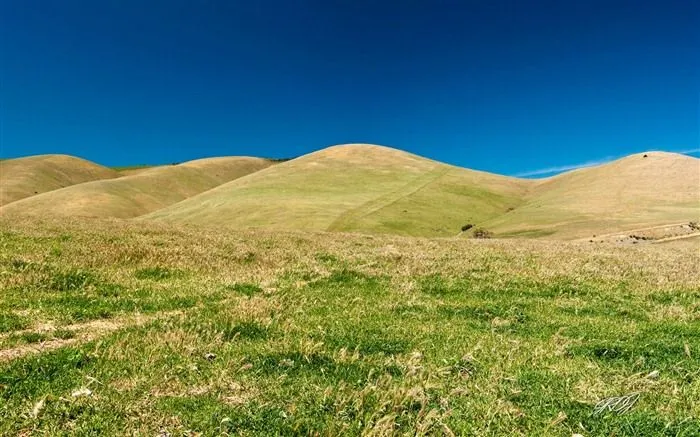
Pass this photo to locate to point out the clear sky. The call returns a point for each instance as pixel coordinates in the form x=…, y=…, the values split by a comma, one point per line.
x=504, y=86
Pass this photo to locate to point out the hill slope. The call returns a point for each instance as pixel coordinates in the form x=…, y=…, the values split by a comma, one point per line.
x=367, y=188
x=354, y=188
x=139, y=193
x=24, y=177
x=632, y=192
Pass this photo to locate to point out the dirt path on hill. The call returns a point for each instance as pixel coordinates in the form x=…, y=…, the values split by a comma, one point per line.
x=387, y=199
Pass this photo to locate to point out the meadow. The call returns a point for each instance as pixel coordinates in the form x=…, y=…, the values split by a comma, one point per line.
x=145, y=328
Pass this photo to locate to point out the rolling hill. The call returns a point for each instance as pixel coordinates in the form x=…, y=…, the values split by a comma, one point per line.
x=370, y=189
x=138, y=193
x=24, y=177
x=637, y=191
x=356, y=187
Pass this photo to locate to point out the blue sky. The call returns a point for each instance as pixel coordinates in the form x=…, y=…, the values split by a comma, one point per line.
x=511, y=87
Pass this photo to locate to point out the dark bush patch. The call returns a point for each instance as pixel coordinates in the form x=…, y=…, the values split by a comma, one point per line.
x=481, y=233
x=467, y=227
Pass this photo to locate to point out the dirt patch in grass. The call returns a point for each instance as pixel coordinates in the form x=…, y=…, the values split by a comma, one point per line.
x=79, y=333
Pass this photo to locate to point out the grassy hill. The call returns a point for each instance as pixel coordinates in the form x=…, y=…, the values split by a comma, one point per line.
x=25, y=177
x=637, y=191
x=365, y=188
x=354, y=187
x=138, y=193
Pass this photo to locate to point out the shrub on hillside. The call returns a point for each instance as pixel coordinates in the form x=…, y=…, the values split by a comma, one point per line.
x=467, y=227
x=481, y=233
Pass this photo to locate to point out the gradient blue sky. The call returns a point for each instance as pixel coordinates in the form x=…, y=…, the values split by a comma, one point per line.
x=503, y=86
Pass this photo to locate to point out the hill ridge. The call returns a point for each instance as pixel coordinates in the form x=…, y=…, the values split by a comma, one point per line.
x=338, y=188
x=138, y=193
x=24, y=177
x=370, y=188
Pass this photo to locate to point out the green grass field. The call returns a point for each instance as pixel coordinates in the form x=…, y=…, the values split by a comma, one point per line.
x=111, y=328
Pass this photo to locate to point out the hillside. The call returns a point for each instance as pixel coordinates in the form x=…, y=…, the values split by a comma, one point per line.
x=370, y=189
x=24, y=177
x=637, y=191
x=134, y=169
x=139, y=193
x=354, y=187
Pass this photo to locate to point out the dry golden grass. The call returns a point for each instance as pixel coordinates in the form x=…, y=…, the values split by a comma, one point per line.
x=627, y=194
x=25, y=177
x=375, y=189
x=139, y=193
x=80, y=333
x=223, y=256
x=379, y=190
x=354, y=187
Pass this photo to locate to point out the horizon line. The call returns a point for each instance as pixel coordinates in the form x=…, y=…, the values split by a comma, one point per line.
x=562, y=168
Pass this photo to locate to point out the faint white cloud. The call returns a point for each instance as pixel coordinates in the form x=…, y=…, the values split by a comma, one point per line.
x=696, y=150
x=563, y=168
